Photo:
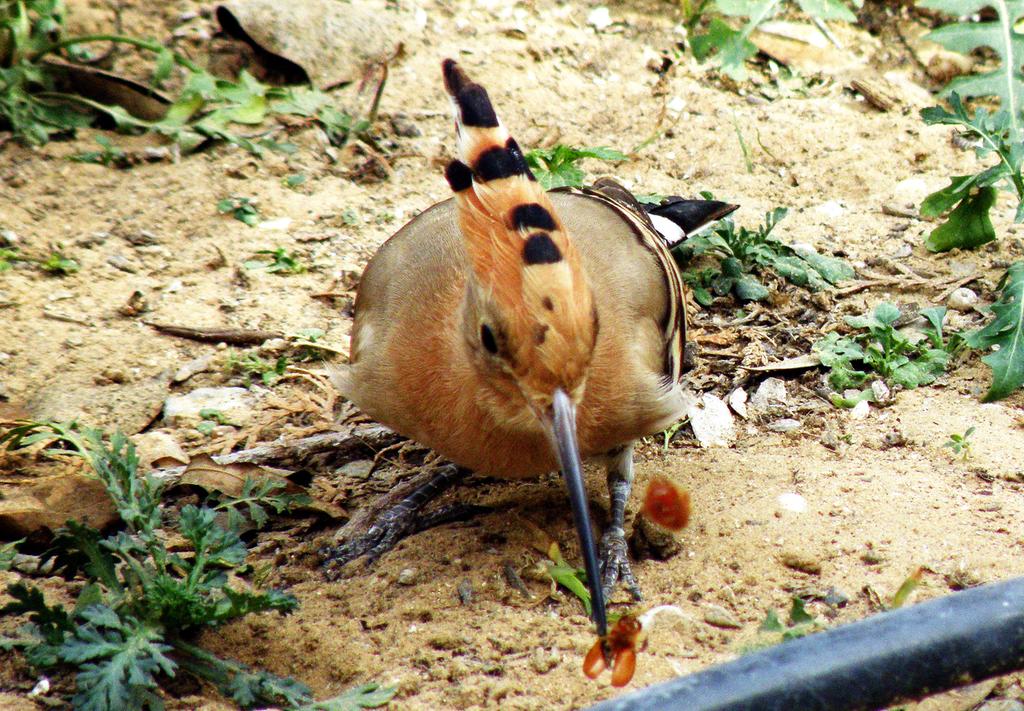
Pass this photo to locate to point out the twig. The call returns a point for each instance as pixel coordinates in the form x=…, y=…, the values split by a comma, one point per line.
x=234, y=336
x=515, y=581
x=823, y=29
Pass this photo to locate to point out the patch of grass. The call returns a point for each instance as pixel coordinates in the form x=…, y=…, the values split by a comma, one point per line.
x=206, y=108
x=144, y=601
x=744, y=253
x=280, y=262
x=558, y=167
x=878, y=348
x=269, y=372
x=242, y=209
x=59, y=265
x=731, y=48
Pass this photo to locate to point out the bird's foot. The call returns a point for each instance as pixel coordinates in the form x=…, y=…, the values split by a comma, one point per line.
x=615, y=565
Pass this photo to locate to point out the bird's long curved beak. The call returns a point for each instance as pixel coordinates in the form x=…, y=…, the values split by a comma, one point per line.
x=563, y=433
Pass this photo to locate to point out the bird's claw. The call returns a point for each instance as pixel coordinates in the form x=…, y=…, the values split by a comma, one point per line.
x=390, y=527
x=615, y=565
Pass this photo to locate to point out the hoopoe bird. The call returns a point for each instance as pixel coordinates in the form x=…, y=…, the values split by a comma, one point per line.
x=517, y=332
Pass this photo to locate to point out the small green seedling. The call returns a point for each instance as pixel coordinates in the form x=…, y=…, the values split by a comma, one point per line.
x=109, y=155
x=210, y=419
x=251, y=364
x=241, y=208
x=280, y=262
x=59, y=265
x=7, y=258
x=799, y=624
x=557, y=167
x=742, y=253
x=880, y=348
x=907, y=588
x=294, y=180
x=960, y=443
x=572, y=579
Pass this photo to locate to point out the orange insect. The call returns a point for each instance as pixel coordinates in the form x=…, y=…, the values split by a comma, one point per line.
x=620, y=647
x=667, y=504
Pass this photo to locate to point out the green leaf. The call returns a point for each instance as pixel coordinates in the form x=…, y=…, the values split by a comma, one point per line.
x=942, y=201
x=771, y=623
x=731, y=48
x=747, y=288
x=556, y=167
x=367, y=696
x=968, y=226
x=827, y=10
x=1007, y=82
x=798, y=614
x=1005, y=333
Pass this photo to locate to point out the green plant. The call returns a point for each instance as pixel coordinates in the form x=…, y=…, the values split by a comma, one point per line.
x=741, y=252
x=960, y=443
x=731, y=48
x=1001, y=35
x=799, y=624
x=572, y=579
x=280, y=262
x=7, y=258
x=109, y=155
x=881, y=349
x=58, y=264
x=967, y=200
x=241, y=208
x=252, y=364
x=144, y=601
x=7, y=553
x=294, y=180
x=1004, y=335
x=206, y=108
x=557, y=167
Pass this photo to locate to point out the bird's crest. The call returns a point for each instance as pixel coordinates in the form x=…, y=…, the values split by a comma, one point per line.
x=517, y=247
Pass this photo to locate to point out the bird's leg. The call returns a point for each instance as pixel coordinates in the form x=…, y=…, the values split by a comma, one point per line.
x=401, y=520
x=615, y=564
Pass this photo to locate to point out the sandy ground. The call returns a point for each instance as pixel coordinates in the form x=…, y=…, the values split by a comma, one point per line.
x=884, y=497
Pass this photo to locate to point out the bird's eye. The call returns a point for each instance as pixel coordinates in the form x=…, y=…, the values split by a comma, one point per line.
x=487, y=338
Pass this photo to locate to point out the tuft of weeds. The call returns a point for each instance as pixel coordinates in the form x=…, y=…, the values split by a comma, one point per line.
x=799, y=623
x=206, y=109
x=145, y=600
x=108, y=155
x=277, y=261
x=59, y=265
x=242, y=209
x=879, y=348
x=960, y=443
x=269, y=372
x=558, y=167
x=731, y=48
x=742, y=253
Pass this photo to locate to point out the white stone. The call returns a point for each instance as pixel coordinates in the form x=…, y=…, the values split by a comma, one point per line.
x=738, y=402
x=711, y=421
x=235, y=404
x=770, y=390
x=831, y=209
x=790, y=501
x=599, y=18
x=860, y=410
x=962, y=299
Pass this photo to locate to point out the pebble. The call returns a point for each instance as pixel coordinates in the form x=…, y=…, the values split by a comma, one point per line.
x=962, y=299
x=193, y=367
x=769, y=391
x=711, y=421
x=358, y=469
x=121, y=263
x=8, y=238
x=791, y=501
x=831, y=209
x=236, y=404
x=404, y=126
x=544, y=660
x=860, y=410
x=407, y=576
x=880, y=391
x=786, y=424
x=599, y=18
x=718, y=616
x=801, y=561
x=738, y=402
x=142, y=238
x=836, y=598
